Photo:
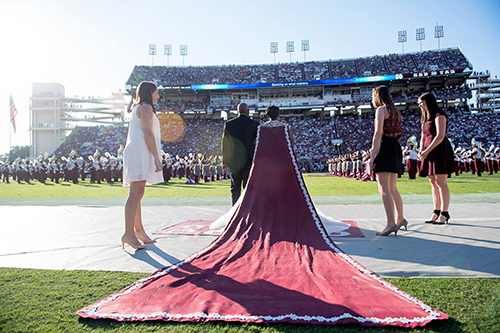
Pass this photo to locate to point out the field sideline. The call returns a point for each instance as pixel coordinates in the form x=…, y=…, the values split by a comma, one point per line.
x=323, y=188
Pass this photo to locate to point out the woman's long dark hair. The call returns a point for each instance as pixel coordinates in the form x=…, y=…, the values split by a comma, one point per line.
x=432, y=106
x=382, y=97
x=144, y=94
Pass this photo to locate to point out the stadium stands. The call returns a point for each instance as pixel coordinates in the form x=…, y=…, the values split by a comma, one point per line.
x=313, y=134
x=309, y=71
x=312, y=137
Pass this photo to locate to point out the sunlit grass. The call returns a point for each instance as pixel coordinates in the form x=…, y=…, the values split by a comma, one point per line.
x=46, y=301
x=317, y=185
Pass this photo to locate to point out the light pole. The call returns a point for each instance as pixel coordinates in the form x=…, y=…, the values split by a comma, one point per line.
x=305, y=47
x=402, y=38
x=152, y=51
x=290, y=48
x=167, y=50
x=420, y=36
x=183, y=52
x=274, y=50
x=439, y=33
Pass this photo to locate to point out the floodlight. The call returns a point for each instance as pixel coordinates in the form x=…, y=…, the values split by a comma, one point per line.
x=420, y=36
x=152, y=52
x=305, y=47
x=274, y=49
x=183, y=52
x=290, y=48
x=402, y=38
x=167, y=50
x=439, y=33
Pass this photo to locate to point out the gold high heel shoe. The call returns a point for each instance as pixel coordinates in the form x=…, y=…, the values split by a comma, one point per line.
x=403, y=223
x=393, y=229
x=136, y=247
x=145, y=240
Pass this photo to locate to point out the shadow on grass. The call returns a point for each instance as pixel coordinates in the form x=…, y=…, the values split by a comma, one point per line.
x=445, y=326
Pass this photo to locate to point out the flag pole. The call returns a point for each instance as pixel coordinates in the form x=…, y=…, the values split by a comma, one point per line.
x=10, y=143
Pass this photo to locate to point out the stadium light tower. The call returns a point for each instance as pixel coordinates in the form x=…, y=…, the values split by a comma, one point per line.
x=183, y=52
x=167, y=50
x=402, y=38
x=420, y=36
x=152, y=51
x=305, y=47
x=290, y=48
x=274, y=49
x=439, y=33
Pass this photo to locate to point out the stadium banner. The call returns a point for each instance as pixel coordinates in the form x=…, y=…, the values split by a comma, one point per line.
x=379, y=78
x=296, y=84
x=437, y=72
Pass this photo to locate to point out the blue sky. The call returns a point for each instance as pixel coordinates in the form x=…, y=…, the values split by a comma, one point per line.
x=91, y=47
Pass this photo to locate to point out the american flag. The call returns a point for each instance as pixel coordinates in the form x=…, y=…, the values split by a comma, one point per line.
x=13, y=113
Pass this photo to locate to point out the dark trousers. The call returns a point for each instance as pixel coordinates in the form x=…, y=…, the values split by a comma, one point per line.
x=237, y=180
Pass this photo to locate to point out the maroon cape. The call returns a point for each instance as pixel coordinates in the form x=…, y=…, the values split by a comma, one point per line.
x=274, y=262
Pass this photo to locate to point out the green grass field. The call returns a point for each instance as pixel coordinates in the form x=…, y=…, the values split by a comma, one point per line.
x=46, y=300
x=317, y=184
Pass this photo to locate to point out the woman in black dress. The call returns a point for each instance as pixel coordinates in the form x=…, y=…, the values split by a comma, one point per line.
x=387, y=157
x=436, y=154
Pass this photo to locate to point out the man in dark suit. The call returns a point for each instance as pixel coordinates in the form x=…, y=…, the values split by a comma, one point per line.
x=238, y=145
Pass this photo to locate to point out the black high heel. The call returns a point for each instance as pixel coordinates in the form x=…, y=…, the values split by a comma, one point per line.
x=445, y=214
x=437, y=212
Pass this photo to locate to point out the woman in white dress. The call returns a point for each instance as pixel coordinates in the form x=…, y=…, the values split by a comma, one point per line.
x=141, y=161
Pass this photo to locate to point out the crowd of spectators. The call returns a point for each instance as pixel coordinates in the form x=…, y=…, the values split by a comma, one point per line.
x=444, y=93
x=87, y=139
x=343, y=69
x=290, y=72
x=249, y=74
x=400, y=63
x=181, y=105
x=430, y=61
x=285, y=72
x=312, y=137
x=314, y=70
x=372, y=66
x=356, y=132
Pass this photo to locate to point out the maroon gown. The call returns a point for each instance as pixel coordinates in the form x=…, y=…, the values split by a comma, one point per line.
x=274, y=262
x=440, y=160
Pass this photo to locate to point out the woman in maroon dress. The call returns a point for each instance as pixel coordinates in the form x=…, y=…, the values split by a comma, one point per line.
x=436, y=155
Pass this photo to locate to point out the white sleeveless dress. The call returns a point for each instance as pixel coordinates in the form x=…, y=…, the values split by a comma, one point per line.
x=138, y=162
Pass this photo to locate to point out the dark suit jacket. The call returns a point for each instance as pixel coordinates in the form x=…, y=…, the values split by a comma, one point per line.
x=238, y=142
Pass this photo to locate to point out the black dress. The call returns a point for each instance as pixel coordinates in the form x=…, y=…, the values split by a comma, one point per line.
x=390, y=156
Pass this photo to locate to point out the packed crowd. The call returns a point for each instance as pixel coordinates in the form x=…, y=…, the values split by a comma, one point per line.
x=80, y=155
x=411, y=95
x=182, y=104
x=356, y=132
x=312, y=137
x=284, y=72
x=443, y=93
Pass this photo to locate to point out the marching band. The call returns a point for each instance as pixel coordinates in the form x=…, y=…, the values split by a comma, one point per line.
x=475, y=160
x=108, y=168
